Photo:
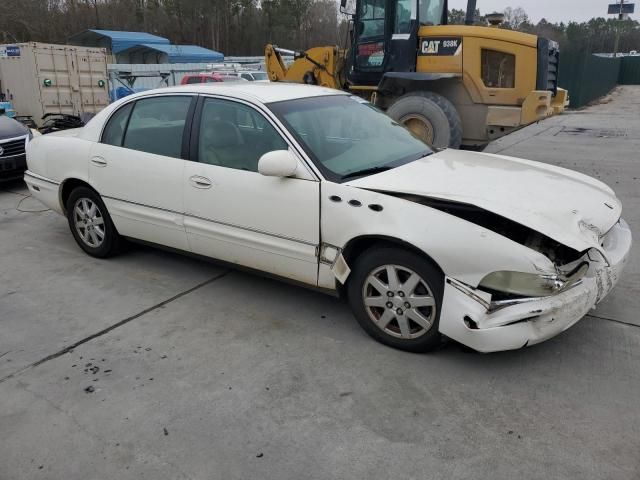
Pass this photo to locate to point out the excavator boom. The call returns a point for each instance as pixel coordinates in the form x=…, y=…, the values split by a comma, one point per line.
x=317, y=66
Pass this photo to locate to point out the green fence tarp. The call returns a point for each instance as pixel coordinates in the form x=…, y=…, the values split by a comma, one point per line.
x=587, y=77
x=630, y=71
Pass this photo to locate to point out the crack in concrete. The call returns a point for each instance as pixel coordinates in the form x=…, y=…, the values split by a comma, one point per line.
x=622, y=322
x=112, y=327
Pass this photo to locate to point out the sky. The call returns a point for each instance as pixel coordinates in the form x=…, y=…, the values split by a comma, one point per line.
x=552, y=10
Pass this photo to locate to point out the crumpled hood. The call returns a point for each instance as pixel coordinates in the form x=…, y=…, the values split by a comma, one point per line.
x=571, y=208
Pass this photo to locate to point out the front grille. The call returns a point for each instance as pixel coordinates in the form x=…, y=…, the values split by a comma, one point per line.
x=12, y=166
x=548, y=65
x=11, y=148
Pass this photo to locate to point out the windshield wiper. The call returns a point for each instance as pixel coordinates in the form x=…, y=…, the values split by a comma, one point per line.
x=366, y=171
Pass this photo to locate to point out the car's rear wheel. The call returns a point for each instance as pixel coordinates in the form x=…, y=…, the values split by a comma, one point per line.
x=91, y=224
x=396, y=297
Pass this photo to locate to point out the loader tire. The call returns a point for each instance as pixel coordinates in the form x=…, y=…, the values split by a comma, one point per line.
x=430, y=117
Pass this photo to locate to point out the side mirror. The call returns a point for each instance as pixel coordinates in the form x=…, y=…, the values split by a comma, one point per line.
x=278, y=163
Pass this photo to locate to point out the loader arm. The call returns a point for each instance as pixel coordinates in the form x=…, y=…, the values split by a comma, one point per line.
x=322, y=66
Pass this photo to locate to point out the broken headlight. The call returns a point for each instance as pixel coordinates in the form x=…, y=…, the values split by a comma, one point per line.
x=523, y=284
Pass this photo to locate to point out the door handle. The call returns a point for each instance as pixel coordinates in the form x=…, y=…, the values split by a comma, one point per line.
x=200, y=182
x=99, y=161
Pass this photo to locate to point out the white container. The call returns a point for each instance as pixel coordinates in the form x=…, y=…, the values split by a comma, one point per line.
x=41, y=78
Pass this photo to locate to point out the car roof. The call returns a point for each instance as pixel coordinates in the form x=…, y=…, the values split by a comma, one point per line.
x=252, y=91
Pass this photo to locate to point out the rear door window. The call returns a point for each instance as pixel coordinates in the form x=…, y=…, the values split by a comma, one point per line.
x=157, y=125
x=113, y=133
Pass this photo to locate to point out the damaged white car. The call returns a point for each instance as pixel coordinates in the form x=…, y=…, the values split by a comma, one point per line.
x=317, y=186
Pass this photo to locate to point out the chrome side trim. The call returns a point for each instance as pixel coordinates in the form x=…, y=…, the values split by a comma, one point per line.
x=40, y=177
x=248, y=229
x=469, y=291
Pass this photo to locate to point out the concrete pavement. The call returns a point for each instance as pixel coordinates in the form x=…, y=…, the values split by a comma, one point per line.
x=215, y=374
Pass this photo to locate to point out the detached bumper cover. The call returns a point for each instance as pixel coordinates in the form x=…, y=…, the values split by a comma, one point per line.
x=532, y=320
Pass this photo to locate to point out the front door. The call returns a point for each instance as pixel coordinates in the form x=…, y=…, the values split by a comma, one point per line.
x=234, y=213
x=138, y=168
x=368, y=52
x=403, y=46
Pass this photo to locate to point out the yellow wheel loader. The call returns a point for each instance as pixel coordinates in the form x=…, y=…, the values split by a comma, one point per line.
x=451, y=85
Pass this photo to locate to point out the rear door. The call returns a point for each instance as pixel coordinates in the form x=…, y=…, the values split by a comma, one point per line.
x=138, y=168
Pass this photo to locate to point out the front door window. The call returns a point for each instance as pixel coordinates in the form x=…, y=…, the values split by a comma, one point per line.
x=234, y=135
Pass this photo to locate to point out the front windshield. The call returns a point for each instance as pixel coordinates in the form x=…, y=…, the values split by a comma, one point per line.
x=348, y=137
x=259, y=76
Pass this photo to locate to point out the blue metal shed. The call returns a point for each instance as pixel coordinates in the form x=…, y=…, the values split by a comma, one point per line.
x=159, y=53
x=115, y=40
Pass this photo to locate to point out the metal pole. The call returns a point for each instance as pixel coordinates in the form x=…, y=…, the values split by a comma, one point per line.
x=471, y=13
x=615, y=47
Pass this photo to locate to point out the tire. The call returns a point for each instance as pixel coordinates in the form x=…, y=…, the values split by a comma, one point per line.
x=99, y=237
x=405, y=330
x=430, y=116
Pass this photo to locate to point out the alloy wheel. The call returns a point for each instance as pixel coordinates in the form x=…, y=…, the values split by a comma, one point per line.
x=399, y=301
x=89, y=222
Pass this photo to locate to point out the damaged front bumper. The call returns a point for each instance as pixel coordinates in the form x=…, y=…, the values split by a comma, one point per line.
x=469, y=317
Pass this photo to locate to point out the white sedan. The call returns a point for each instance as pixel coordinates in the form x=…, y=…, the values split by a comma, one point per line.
x=318, y=187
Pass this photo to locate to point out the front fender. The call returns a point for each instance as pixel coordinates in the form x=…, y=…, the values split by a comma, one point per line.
x=462, y=250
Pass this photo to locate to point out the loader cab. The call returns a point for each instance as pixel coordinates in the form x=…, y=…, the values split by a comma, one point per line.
x=385, y=36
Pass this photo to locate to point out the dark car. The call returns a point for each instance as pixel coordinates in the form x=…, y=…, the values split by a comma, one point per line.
x=13, y=141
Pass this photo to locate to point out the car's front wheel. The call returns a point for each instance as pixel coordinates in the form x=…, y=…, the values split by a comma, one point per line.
x=396, y=297
x=91, y=224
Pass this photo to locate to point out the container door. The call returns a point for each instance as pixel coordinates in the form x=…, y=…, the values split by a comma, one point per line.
x=91, y=74
x=54, y=79
x=74, y=79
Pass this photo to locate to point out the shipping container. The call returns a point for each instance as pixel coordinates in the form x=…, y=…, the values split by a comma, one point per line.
x=40, y=78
